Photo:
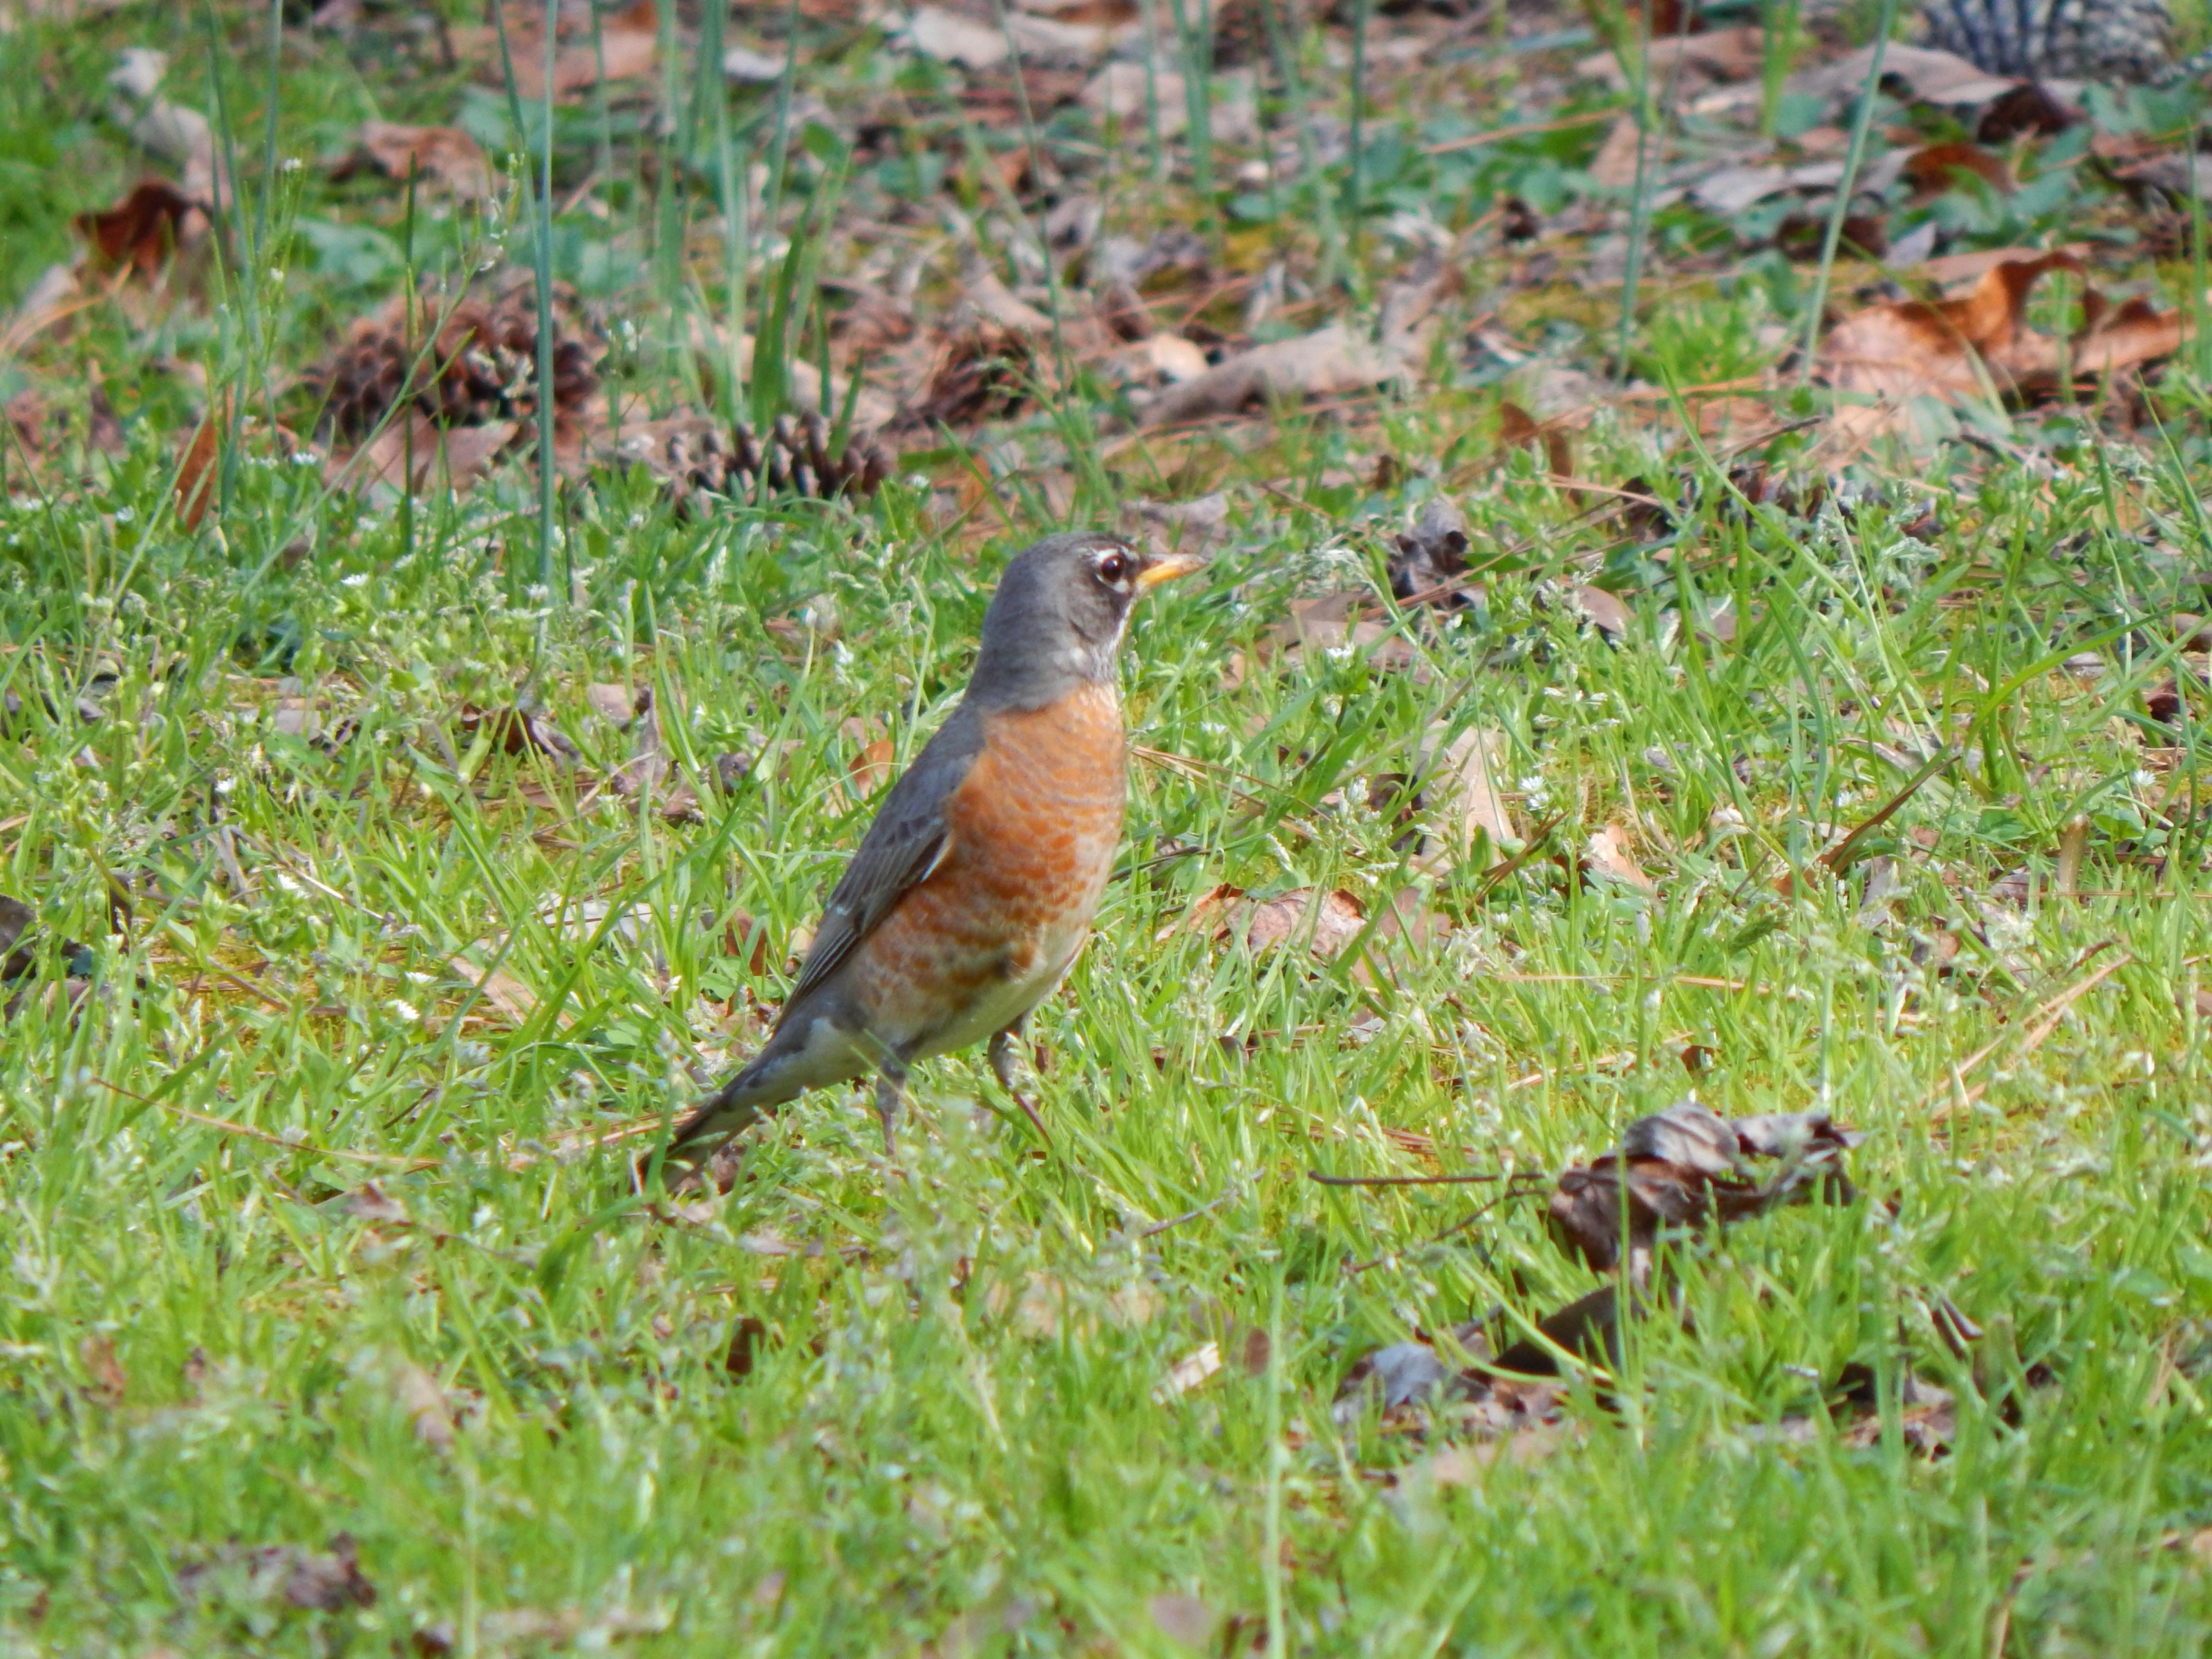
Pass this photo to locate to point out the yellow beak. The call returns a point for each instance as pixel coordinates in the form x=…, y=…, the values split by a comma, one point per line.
x=1167, y=566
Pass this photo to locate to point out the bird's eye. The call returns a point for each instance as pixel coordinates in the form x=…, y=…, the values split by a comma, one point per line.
x=1114, y=568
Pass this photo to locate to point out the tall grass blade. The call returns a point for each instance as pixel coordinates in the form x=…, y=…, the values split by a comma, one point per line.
x=1862, y=123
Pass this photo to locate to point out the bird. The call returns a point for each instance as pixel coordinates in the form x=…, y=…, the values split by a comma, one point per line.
x=2108, y=40
x=975, y=888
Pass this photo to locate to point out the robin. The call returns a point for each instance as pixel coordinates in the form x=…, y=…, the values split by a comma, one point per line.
x=975, y=885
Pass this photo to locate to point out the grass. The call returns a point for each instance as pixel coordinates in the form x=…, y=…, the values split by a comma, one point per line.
x=509, y=1382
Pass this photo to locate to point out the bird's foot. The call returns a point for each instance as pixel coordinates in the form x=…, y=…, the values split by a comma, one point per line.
x=1029, y=1111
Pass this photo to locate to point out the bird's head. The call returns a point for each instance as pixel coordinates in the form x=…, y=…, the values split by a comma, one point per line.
x=1060, y=613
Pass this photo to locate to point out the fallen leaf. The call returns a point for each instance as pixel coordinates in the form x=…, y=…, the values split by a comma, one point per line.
x=145, y=229
x=616, y=704
x=1129, y=93
x=1328, y=362
x=1926, y=1418
x=1323, y=922
x=1608, y=612
x=370, y=1202
x=1173, y=358
x=500, y=988
x=1685, y=1166
x=1517, y=428
x=1399, y=1375
x=747, y=1337
x=517, y=731
x=15, y=920
x=1934, y=168
x=448, y=459
x=1726, y=54
x=1184, y=1619
x=445, y=157
x=1464, y=792
x=2030, y=109
x=1188, y=1372
x=26, y=418
x=196, y=470
x=329, y=1583
x=418, y=1394
x=1431, y=557
x=109, y=1384
x=628, y=45
x=1607, y=854
x=1930, y=76
x=1330, y=622
x=951, y=38
x=1615, y=164
x=1956, y=350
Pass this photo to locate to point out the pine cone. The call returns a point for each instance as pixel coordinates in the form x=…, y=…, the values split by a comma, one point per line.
x=693, y=456
x=481, y=367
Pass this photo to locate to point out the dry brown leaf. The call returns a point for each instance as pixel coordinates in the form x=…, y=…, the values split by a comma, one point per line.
x=873, y=766
x=1607, y=854
x=1185, y=1620
x=1173, y=358
x=26, y=417
x=1934, y=168
x=1324, y=922
x=1730, y=54
x=500, y=988
x=445, y=458
x=1608, y=612
x=195, y=471
x=1517, y=428
x=628, y=41
x=1679, y=1169
x=615, y=704
x=323, y=1583
x=1188, y=1372
x=1931, y=76
x=1330, y=622
x=1954, y=350
x=145, y=229
x=418, y=1394
x=109, y=1384
x=517, y=731
x=1615, y=164
x=1328, y=362
x=952, y=38
x=442, y=156
x=1953, y=270
x=1465, y=793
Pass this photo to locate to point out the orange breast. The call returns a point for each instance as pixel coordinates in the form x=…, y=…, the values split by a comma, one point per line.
x=1034, y=827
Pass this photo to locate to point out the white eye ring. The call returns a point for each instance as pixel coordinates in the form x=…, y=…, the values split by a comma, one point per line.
x=1115, y=567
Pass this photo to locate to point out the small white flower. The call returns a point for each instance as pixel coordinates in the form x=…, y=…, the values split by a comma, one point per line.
x=359, y=579
x=404, y=1009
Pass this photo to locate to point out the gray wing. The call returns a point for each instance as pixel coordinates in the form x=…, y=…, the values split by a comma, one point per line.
x=906, y=843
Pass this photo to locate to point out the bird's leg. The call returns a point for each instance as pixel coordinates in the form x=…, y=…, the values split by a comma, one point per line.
x=890, y=1091
x=1003, y=1046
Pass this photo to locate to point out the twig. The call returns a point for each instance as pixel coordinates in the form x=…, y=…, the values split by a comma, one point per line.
x=1404, y=1181
x=1522, y=130
x=1159, y=1227
x=226, y=1126
x=1839, y=857
x=2046, y=1021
